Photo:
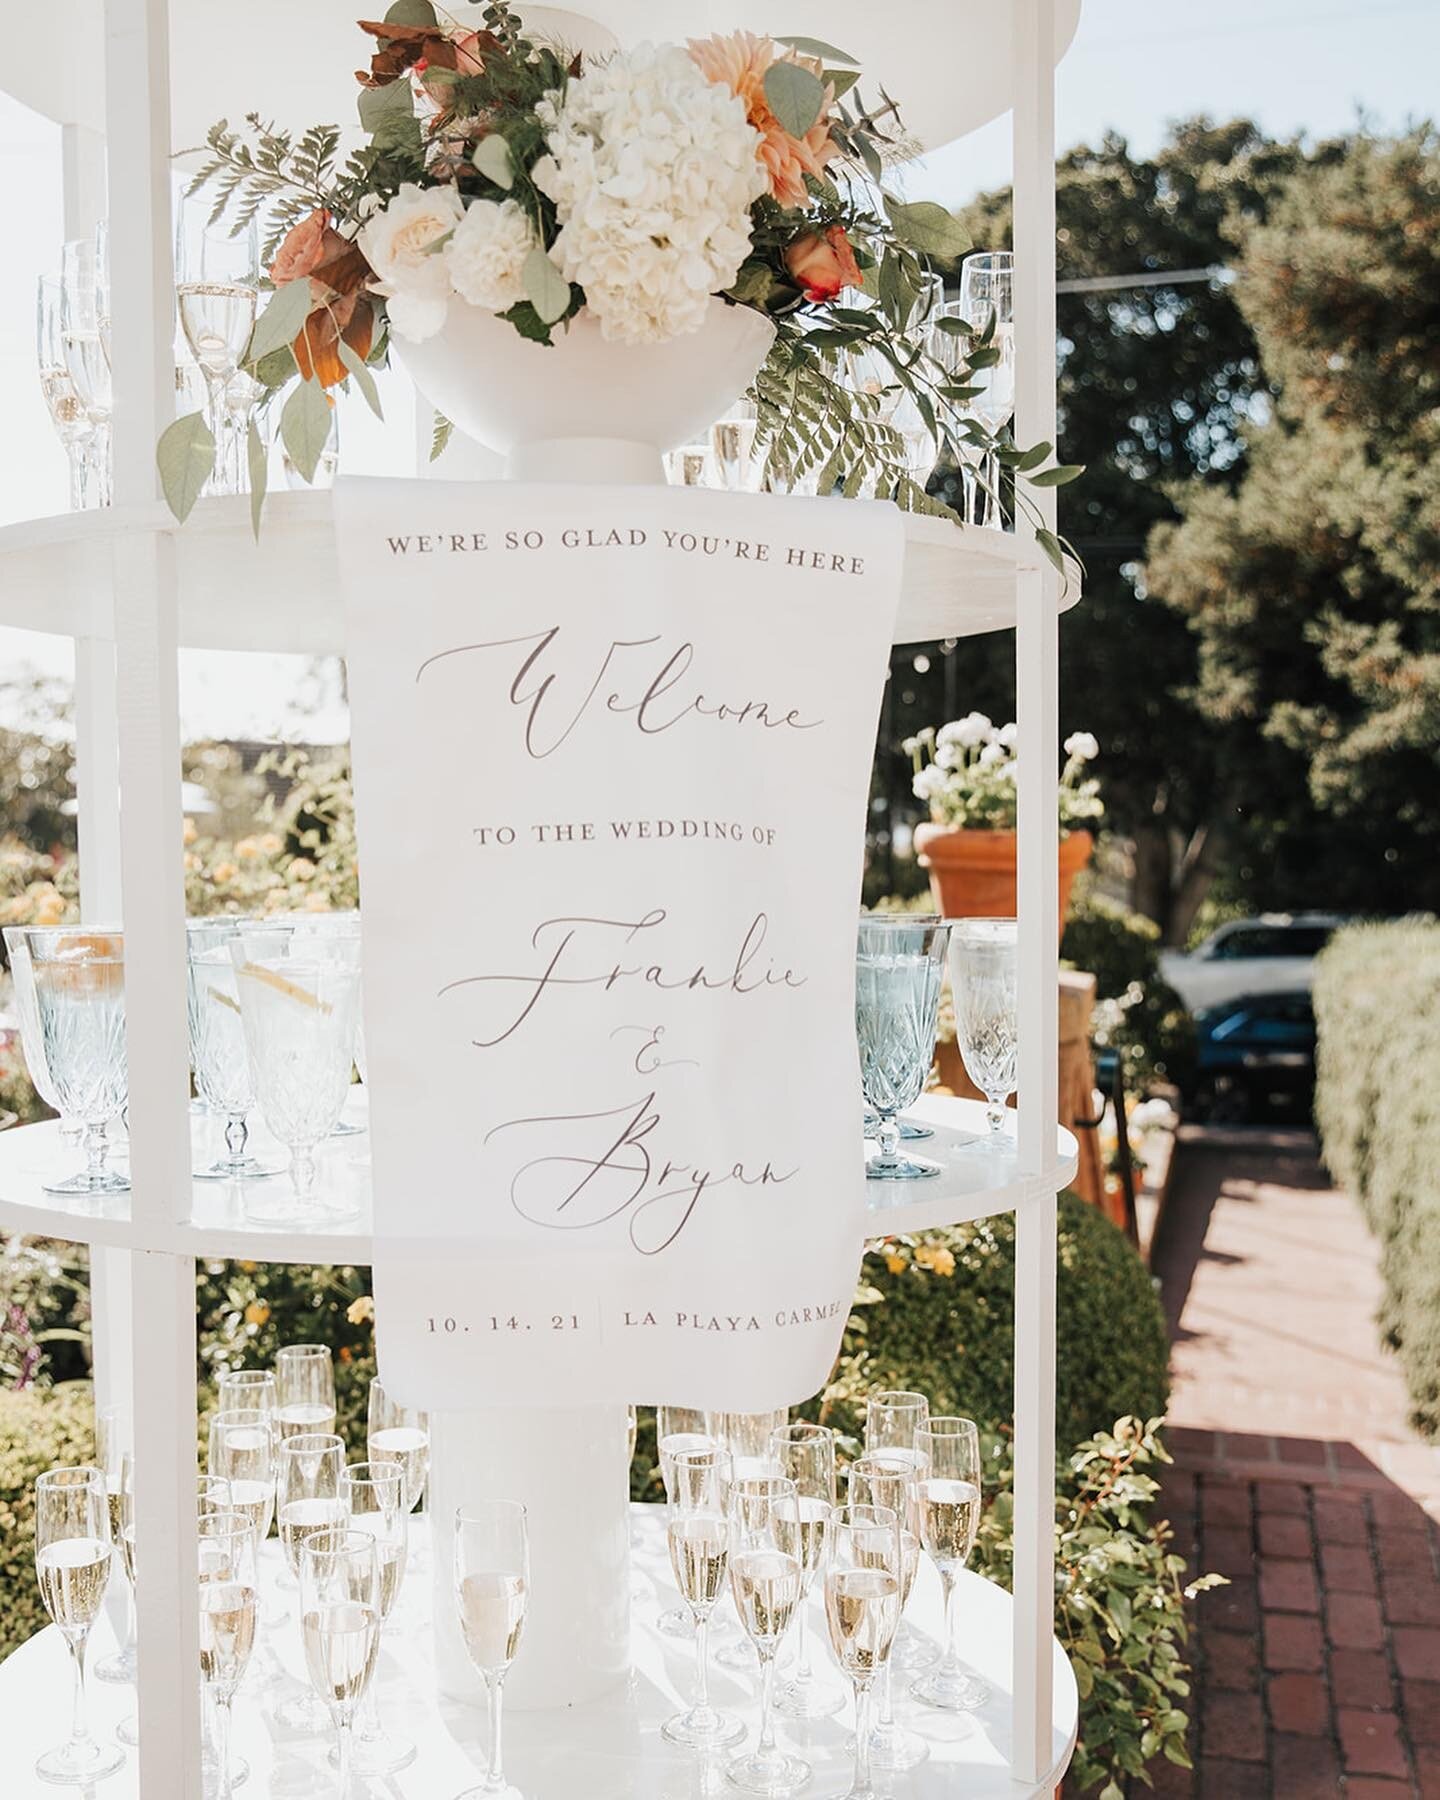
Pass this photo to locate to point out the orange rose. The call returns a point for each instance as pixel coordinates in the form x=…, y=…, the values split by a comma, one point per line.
x=304, y=248
x=823, y=264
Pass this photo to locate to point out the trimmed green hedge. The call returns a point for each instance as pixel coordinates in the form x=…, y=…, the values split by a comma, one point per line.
x=40, y=1428
x=1377, y=1106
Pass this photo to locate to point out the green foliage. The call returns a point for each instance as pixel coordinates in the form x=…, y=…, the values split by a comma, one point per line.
x=44, y=1312
x=1137, y=1012
x=1377, y=1105
x=1120, y=1598
x=37, y=771
x=39, y=1430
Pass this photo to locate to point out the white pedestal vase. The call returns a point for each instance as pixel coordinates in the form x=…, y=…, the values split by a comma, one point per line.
x=588, y=411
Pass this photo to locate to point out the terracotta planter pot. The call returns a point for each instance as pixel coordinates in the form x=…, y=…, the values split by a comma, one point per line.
x=972, y=873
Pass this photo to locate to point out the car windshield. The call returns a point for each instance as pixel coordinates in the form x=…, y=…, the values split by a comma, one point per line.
x=1271, y=940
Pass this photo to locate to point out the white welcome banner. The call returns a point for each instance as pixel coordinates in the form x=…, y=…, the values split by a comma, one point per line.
x=612, y=751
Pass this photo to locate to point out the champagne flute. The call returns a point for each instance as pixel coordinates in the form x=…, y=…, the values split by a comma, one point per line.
x=747, y=1437
x=987, y=300
x=340, y=1614
x=805, y=1453
x=881, y=1478
x=217, y=291
x=492, y=1586
x=373, y=1495
x=212, y=1495
x=947, y=1509
x=862, y=1609
x=766, y=1581
x=229, y=1613
x=307, y=1502
x=984, y=978
x=698, y=1535
x=304, y=1389
x=241, y=1390
x=118, y=1464
x=73, y=425
x=400, y=1435
x=732, y=448
x=242, y=1452
x=680, y=1428
x=72, y=1566
x=84, y=329
x=893, y=1416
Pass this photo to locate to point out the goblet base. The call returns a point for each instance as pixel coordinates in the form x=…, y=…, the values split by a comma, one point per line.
x=378, y=1755
x=676, y=1622
x=951, y=1689
x=77, y=1765
x=893, y=1748
x=703, y=1728
x=346, y=1128
x=737, y=1655
x=770, y=1772
x=910, y=1132
x=210, y=1773
x=240, y=1168
x=120, y=1669
x=813, y=1699
x=303, y=1716
x=85, y=1183
x=901, y=1168
x=128, y=1731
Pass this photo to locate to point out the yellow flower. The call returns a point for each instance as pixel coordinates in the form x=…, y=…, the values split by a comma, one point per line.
x=894, y=1262
x=361, y=1311
x=937, y=1258
x=257, y=1312
x=224, y=871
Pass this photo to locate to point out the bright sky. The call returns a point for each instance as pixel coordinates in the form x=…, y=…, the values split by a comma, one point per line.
x=1295, y=65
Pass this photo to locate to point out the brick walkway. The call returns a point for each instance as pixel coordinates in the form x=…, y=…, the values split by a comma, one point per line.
x=1318, y=1668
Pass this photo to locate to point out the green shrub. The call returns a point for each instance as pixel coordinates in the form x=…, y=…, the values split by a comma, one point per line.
x=1377, y=1106
x=1137, y=1012
x=39, y=1429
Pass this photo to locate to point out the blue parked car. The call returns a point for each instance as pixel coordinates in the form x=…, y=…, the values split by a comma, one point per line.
x=1256, y=1059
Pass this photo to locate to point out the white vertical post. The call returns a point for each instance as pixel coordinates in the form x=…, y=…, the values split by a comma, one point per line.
x=142, y=331
x=97, y=794
x=1037, y=712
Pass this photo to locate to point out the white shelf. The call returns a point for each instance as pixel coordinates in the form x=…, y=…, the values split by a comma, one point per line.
x=284, y=592
x=609, y=1750
x=228, y=1218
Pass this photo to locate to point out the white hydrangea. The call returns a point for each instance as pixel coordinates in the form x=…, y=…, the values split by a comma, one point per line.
x=653, y=169
x=398, y=244
x=485, y=258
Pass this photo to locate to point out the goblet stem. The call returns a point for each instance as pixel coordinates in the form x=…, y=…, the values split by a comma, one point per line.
x=303, y=1171
x=97, y=1147
x=75, y=453
x=702, y=1663
x=862, y=1788
x=767, y=1703
x=995, y=1111
x=345, y=1749
x=495, y=1774
x=223, y=1788
x=887, y=1136
x=237, y=1134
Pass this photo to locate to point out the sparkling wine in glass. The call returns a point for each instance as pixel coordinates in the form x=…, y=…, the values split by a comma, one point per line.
x=898, y=966
x=399, y=1435
x=863, y=1585
x=805, y=1454
x=887, y=1478
x=72, y=423
x=492, y=1585
x=80, y=999
x=767, y=1583
x=114, y=1457
x=248, y=1390
x=373, y=1495
x=697, y=1532
x=242, y=1452
x=216, y=293
x=984, y=978
x=229, y=1620
x=72, y=1566
x=85, y=348
x=947, y=1515
x=304, y=1389
x=680, y=1428
x=340, y=1627
x=307, y=1495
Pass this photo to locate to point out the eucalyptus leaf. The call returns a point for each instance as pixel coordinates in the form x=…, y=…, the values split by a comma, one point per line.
x=275, y=369
x=305, y=426
x=411, y=12
x=1058, y=476
x=185, y=457
x=363, y=379
x=546, y=288
x=492, y=158
x=257, y=460
x=794, y=95
x=869, y=155
x=928, y=227
x=841, y=80
x=1050, y=544
x=281, y=322
x=808, y=46
x=1033, y=457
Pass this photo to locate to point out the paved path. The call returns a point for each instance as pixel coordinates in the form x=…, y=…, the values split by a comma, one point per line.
x=1318, y=1668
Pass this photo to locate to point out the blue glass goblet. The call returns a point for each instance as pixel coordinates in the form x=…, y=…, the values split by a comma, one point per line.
x=898, y=967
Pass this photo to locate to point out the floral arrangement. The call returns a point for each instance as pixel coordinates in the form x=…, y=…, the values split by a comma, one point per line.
x=965, y=773
x=505, y=173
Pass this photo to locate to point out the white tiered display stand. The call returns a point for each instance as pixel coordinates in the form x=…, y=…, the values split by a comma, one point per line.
x=131, y=589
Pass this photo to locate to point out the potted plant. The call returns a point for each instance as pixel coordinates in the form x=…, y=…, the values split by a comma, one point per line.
x=965, y=773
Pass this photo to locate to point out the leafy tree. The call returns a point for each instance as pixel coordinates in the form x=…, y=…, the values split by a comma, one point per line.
x=1156, y=385
x=37, y=763
x=1312, y=589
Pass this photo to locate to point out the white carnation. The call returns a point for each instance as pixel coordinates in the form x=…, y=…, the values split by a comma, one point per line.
x=398, y=245
x=1082, y=746
x=973, y=729
x=653, y=169
x=1009, y=735
x=990, y=755
x=486, y=256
